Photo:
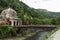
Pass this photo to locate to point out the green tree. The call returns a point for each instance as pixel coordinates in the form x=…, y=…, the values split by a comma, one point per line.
x=53, y=21
x=27, y=19
x=57, y=20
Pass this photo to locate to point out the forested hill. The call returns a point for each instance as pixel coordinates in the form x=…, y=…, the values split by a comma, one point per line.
x=47, y=14
x=20, y=7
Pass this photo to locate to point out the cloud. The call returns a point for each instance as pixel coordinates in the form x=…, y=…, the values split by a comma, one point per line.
x=46, y=0
x=51, y=5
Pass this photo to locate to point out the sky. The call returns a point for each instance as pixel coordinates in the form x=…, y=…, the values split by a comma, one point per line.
x=50, y=5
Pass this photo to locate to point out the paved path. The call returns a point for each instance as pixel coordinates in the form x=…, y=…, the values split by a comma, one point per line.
x=55, y=36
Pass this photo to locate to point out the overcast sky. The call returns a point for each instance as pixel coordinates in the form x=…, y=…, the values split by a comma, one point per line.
x=51, y=5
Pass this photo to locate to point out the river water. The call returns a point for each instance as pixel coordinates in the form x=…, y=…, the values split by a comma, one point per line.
x=37, y=36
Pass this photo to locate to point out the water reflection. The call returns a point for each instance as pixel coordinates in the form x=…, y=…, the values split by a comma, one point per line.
x=37, y=36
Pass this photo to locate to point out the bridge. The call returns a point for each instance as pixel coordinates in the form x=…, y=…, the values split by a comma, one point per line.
x=37, y=27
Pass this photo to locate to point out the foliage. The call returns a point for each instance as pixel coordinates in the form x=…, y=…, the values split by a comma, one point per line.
x=5, y=31
x=36, y=21
x=58, y=20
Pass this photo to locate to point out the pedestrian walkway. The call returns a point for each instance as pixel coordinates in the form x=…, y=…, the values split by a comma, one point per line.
x=55, y=36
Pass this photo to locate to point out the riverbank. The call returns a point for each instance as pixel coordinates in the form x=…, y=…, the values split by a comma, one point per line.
x=46, y=37
x=20, y=38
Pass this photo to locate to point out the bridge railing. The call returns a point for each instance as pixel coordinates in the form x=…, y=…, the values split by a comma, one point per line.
x=37, y=26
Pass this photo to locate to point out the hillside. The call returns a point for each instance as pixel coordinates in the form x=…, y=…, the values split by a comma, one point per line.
x=20, y=6
x=30, y=15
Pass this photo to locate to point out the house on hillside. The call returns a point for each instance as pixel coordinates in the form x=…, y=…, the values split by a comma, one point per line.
x=9, y=17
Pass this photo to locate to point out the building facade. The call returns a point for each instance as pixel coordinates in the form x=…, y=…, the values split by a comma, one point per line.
x=9, y=17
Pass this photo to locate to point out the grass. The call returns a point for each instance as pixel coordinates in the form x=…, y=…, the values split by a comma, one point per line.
x=21, y=38
x=29, y=35
x=45, y=37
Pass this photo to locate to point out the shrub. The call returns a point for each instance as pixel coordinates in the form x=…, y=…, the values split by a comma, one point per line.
x=6, y=31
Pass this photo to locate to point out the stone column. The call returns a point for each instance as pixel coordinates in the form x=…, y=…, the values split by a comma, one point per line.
x=12, y=23
x=15, y=23
x=18, y=24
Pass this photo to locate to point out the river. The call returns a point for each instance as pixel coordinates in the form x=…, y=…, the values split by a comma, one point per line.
x=37, y=36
